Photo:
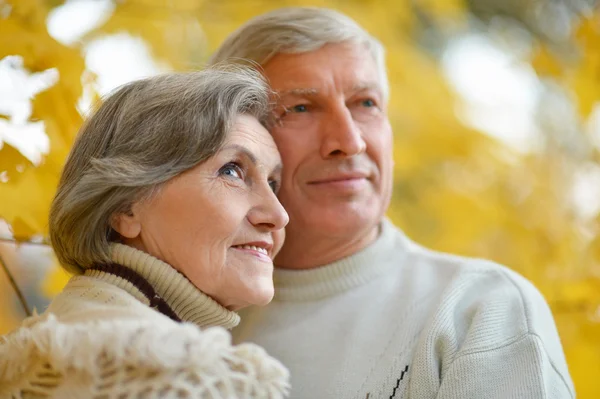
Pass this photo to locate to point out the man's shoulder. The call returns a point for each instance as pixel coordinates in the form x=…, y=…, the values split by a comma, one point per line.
x=417, y=257
x=481, y=311
x=485, y=306
x=477, y=287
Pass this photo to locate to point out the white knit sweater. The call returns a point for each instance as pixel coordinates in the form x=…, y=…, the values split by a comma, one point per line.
x=399, y=321
x=100, y=339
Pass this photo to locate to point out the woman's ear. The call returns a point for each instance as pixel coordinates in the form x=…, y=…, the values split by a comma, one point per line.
x=127, y=224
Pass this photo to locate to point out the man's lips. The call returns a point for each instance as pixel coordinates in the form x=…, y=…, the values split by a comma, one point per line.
x=340, y=178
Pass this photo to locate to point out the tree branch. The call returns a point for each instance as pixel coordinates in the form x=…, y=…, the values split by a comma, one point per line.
x=13, y=283
x=20, y=241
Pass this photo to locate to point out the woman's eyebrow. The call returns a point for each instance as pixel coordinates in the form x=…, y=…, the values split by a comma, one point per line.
x=248, y=154
x=243, y=150
x=277, y=169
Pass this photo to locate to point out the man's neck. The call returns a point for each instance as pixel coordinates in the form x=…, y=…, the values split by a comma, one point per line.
x=306, y=251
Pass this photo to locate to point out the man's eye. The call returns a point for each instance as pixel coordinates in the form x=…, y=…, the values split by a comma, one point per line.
x=368, y=103
x=299, y=108
x=231, y=169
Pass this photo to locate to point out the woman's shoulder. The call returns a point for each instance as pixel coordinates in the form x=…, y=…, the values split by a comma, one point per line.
x=155, y=357
x=87, y=298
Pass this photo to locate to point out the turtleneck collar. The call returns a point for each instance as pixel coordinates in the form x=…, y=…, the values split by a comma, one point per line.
x=342, y=275
x=184, y=298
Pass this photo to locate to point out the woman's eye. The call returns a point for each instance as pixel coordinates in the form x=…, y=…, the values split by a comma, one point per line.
x=274, y=184
x=232, y=169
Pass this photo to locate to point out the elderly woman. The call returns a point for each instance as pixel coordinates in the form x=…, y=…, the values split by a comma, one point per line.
x=167, y=214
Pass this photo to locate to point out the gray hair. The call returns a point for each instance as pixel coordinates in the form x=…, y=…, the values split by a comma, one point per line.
x=297, y=30
x=144, y=134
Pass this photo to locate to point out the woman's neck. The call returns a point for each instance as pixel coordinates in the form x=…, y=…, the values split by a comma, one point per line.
x=136, y=271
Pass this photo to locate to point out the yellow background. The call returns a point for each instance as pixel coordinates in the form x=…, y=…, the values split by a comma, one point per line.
x=456, y=188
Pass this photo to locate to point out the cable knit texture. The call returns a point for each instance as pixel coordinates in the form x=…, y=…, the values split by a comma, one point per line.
x=100, y=339
x=399, y=321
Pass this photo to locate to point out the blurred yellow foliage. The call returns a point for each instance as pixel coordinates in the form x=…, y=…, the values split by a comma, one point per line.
x=27, y=194
x=170, y=28
x=586, y=78
x=581, y=75
x=55, y=280
x=456, y=189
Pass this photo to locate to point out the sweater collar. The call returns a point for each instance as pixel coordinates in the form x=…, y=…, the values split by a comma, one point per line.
x=344, y=274
x=184, y=298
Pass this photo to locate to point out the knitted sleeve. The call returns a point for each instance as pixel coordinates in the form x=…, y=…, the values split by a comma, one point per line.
x=521, y=369
x=134, y=359
x=493, y=336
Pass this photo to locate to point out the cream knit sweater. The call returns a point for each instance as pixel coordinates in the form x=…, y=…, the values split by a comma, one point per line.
x=100, y=339
x=399, y=321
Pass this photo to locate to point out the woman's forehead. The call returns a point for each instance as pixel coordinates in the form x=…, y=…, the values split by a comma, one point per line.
x=250, y=138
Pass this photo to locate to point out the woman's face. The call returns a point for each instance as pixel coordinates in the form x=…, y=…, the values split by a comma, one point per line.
x=220, y=223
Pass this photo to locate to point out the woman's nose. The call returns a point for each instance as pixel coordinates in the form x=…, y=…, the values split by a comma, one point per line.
x=269, y=213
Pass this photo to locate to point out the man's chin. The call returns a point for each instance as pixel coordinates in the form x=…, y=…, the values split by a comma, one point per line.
x=343, y=221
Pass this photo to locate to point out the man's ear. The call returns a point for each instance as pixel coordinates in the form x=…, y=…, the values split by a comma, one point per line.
x=127, y=224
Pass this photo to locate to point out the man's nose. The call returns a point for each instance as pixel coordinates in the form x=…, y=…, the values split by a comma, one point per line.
x=341, y=137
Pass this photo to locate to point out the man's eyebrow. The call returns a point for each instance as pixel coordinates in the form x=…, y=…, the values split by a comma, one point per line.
x=366, y=86
x=363, y=86
x=299, y=92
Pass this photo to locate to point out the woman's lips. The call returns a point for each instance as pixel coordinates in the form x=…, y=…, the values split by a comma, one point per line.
x=260, y=250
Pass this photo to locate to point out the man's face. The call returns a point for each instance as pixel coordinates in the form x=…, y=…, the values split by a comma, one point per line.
x=335, y=141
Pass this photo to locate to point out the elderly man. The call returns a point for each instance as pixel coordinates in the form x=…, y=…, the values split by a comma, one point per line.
x=360, y=310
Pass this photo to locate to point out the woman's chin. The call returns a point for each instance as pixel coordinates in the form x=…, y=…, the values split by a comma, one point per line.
x=266, y=298
x=261, y=296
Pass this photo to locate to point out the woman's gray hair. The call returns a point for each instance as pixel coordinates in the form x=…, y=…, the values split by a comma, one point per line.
x=297, y=30
x=144, y=134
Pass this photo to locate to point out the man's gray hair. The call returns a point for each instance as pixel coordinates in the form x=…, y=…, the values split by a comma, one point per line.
x=144, y=134
x=297, y=30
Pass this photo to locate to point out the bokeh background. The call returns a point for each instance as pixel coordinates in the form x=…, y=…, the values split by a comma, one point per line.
x=495, y=107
